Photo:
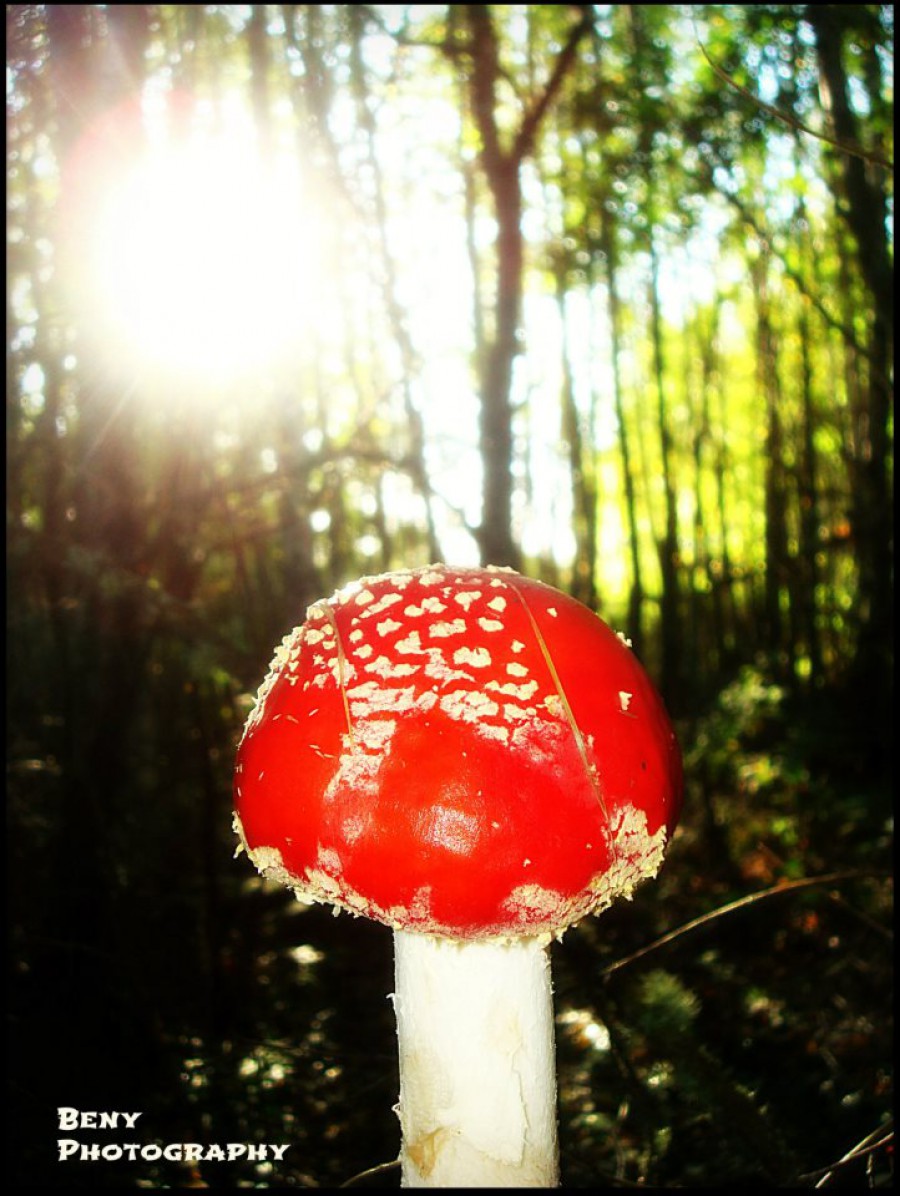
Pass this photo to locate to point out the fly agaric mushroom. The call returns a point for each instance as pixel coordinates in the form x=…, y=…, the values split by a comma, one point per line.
x=478, y=761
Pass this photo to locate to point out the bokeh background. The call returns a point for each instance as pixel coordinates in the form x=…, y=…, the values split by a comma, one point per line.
x=297, y=293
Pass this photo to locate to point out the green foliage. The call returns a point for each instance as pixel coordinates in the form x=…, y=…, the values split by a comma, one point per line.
x=666, y=1009
x=741, y=714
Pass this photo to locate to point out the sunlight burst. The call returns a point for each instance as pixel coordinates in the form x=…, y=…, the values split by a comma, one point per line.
x=204, y=260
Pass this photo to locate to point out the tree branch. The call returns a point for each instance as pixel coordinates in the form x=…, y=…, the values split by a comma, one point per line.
x=524, y=142
x=845, y=147
x=789, y=886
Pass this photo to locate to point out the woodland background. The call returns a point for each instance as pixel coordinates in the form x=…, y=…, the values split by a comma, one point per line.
x=603, y=292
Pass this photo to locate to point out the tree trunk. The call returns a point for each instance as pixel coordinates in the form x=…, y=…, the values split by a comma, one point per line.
x=633, y=624
x=582, y=467
x=667, y=545
x=498, y=544
x=807, y=484
x=501, y=165
x=775, y=635
x=862, y=201
x=705, y=595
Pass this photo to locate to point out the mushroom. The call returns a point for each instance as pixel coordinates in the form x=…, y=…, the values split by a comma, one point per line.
x=476, y=760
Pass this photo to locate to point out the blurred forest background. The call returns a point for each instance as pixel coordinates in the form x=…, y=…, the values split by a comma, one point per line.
x=301, y=292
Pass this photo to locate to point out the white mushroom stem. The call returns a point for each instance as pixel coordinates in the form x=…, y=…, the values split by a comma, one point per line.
x=477, y=1063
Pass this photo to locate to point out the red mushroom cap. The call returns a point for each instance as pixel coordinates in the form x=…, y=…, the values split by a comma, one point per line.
x=463, y=752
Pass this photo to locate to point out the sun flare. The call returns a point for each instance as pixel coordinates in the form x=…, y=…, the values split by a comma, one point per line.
x=204, y=258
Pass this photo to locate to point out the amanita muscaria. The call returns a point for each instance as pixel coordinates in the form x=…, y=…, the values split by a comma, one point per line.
x=478, y=761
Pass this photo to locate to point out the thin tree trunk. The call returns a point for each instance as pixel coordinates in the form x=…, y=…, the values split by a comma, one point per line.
x=633, y=623
x=807, y=483
x=862, y=202
x=416, y=455
x=299, y=578
x=667, y=545
x=776, y=630
x=724, y=581
x=582, y=469
x=704, y=595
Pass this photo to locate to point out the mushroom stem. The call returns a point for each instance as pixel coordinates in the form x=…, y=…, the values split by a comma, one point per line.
x=477, y=1062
